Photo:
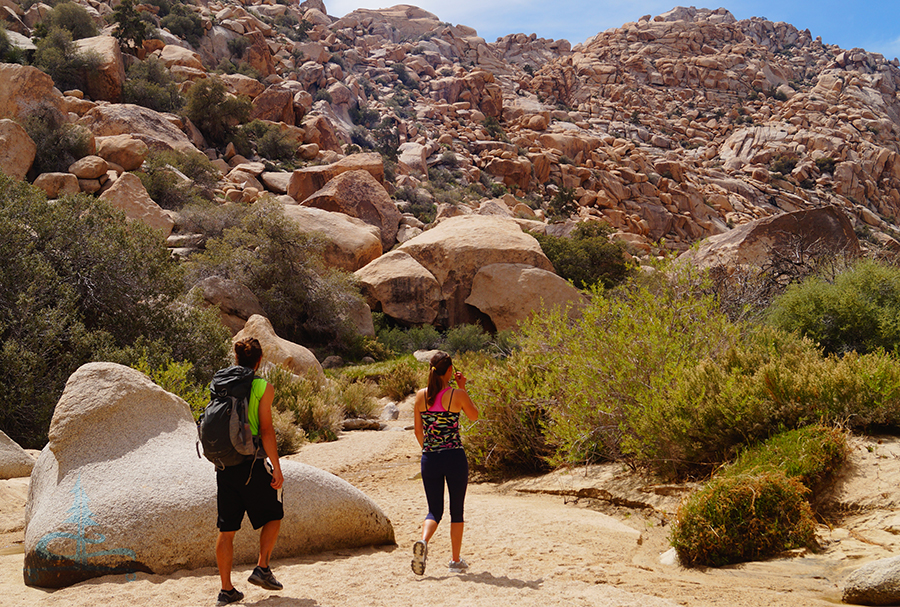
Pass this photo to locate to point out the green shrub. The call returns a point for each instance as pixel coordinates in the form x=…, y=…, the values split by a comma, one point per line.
x=404, y=379
x=514, y=402
x=237, y=46
x=59, y=144
x=269, y=141
x=812, y=455
x=73, y=18
x=826, y=165
x=357, y=399
x=160, y=177
x=859, y=310
x=308, y=400
x=743, y=518
x=306, y=301
x=562, y=206
x=784, y=163
x=323, y=95
x=289, y=438
x=9, y=53
x=183, y=22
x=404, y=341
x=588, y=257
x=58, y=56
x=150, y=84
x=403, y=76
x=214, y=112
x=494, y=130
x=466, y=338
x=175, y=377
x=81, y=284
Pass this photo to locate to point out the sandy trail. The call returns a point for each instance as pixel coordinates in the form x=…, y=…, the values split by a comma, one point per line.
x=523, y=550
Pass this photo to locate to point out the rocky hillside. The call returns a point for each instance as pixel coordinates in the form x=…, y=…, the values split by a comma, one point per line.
x=671, y=129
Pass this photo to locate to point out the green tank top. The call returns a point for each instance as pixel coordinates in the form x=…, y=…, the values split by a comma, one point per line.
x=256, y=393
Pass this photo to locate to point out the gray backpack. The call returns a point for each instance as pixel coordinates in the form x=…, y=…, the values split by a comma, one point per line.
x=224, y=427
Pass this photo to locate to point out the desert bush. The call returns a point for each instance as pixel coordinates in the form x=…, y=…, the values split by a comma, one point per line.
x=80, y=284
x=466, y=338
x=357, y=398
x=237, y=46
x=288, y=436
x=306, y=301
x=562, y=206
x=183, y=22
x=493, y=128
x=59, y=144
x=174, y=377
x=588, y=257
x=151, y=85
x=211, y=219
x=641, y=340
x=9, y=53
x=363, y=116
x=267, y=140
x=311, y=402
x=161, y=179
x=723, y=523
x=812, y=455
x=859, y=310
x=73, y=18
x=514, y=401
x=784, y=163
x=214, y=112
x=403, y=379
x=826, y=165
x=58, y=56
x=404, y=341
x=403, y=76
x=743, y=518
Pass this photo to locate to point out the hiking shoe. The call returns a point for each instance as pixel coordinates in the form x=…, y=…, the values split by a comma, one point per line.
x=265, y=579
x=458, y=566
x=420, y=553
x=229, y=596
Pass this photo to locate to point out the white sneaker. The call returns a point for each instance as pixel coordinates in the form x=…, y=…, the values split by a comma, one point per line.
x=420, y=553
x=458, y=566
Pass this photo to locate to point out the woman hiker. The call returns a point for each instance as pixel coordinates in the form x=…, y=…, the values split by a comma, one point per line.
x=443, y=459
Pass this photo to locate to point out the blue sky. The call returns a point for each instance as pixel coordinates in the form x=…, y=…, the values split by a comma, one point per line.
x=870, y=24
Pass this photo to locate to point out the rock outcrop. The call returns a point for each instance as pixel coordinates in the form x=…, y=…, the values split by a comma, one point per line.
x=15, y=462
x=277, y=351
x=17, y=150
x=813, y=232
x=509, y=293
x=129, y=195
x=350, y=243
x=876, y=583
x=236, y=303
x=120, y=488
x=358, y=194
x=450, y=254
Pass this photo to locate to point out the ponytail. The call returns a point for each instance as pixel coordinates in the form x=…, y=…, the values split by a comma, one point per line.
x=440, y=362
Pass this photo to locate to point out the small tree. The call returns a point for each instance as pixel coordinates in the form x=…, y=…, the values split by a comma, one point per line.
x=72, y=18
x=130, y=29
x=214, y=112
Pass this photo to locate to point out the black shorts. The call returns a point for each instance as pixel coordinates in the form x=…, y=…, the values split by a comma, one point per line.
x=258, y=499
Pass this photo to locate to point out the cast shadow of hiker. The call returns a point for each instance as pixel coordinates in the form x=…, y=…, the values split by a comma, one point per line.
x=503, y=581
x=283, y=601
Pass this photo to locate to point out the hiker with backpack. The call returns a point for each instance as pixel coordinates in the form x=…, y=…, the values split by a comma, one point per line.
x=246, y=481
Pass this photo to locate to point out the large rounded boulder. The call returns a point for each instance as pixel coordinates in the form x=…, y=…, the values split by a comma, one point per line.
x=448, y=256
x=120, y=488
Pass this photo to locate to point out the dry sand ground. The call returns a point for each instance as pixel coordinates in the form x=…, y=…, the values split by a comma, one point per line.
x=524, y=549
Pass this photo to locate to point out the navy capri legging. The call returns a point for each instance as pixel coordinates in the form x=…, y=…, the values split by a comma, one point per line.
x=449, y=465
